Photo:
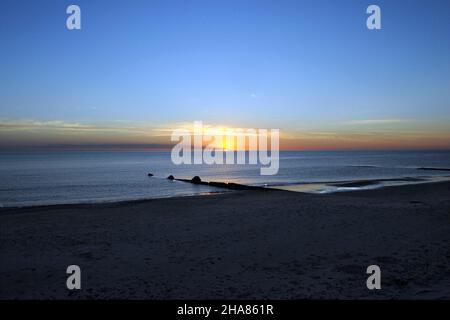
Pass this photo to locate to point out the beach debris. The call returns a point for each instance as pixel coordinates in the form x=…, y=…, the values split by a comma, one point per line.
x=171, y=177
x=150, y=174
x=196, y=179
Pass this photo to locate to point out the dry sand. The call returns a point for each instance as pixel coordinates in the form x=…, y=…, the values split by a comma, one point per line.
x=246, y=244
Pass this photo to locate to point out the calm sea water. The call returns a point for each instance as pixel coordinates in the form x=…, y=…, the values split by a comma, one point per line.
x=74, y=177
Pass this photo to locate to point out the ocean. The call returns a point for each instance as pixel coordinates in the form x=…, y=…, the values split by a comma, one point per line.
x=42, y=178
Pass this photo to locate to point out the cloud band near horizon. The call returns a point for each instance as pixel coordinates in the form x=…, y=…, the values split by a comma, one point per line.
x=365, y=134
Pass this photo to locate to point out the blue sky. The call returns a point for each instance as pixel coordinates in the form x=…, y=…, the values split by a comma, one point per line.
x=293, y=65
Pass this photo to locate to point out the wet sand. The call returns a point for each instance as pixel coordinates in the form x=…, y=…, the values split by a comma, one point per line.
x=243, y=245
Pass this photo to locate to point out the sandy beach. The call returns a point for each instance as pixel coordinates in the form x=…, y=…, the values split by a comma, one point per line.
x=237, y=245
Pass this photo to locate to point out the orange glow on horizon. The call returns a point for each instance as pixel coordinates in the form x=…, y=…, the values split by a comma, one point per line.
x=81, y=136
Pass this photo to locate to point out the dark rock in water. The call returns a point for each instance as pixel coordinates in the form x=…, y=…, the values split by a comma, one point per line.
x=150, y=174
x=434, y=169
x=171, y=177
x=196, y=179
x=230, y=186
x=218, y=184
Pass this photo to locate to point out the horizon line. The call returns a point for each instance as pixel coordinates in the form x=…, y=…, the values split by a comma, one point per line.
x=168, y=147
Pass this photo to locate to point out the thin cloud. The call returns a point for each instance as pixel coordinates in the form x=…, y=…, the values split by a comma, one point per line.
x=35, y=133
x=377, y=121
x=33, y=125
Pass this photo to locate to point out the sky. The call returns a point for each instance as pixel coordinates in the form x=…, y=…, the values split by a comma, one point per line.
x=138, y=69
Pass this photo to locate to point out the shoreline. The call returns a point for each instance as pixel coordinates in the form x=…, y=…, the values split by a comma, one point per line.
x=357, y=185
x=94, y=203
x=252, y=244
x=345, y=186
